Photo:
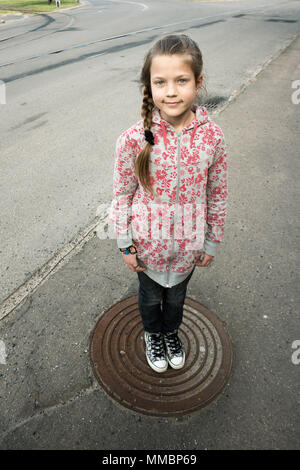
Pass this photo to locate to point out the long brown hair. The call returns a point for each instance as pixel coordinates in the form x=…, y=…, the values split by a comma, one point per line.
x=167, y=45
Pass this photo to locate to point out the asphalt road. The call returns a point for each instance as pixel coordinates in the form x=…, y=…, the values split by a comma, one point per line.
x=72, y=87
x=49, y=396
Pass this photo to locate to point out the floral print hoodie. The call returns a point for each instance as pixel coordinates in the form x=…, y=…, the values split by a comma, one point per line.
x=188, y=173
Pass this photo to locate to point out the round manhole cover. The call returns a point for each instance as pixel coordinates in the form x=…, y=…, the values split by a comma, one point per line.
x=117, y=353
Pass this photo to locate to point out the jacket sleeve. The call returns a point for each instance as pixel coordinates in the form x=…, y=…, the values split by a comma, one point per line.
x=217, y=194
x=125, y=184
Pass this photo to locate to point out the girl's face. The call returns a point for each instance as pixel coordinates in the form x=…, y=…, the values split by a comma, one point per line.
x=173, y=86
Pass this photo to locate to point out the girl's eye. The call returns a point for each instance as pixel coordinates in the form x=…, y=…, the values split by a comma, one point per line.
x=161, y=82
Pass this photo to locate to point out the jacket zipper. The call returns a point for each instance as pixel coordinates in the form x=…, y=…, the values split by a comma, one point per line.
x=177, y=197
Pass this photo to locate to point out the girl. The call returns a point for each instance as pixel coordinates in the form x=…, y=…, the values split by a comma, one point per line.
x=170, y=160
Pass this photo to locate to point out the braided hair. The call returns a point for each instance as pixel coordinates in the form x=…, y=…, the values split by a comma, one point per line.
x=142, y=162
x=167, y=45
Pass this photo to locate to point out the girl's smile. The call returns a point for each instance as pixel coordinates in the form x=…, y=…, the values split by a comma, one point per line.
x=174, y=88
x=172, y=104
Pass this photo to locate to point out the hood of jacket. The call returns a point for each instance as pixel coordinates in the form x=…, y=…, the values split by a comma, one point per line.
x=201, y=117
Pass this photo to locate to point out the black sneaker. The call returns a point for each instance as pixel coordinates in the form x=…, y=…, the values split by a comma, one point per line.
x=155, y=352
x=175, y=351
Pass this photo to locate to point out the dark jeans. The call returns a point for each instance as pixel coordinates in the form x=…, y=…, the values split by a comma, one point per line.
x=155, y=319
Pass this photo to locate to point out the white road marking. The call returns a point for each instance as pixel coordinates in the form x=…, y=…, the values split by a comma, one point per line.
x=145, y=7
x=132, y=33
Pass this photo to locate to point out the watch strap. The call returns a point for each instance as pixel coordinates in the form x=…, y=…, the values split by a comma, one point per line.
x=130, y=250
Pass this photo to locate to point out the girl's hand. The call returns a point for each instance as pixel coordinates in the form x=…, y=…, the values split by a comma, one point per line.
x=132, y=263
x=205, y=261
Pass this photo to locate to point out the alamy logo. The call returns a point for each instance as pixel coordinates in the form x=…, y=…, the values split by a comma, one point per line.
x=155, y=221
x=296, y=94
x=2, y=92
x=2, y=352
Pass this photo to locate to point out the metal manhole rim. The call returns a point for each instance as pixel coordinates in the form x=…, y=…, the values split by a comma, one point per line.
x=219, y=381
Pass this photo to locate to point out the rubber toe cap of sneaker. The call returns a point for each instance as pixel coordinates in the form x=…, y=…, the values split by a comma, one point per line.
x=161, y=364
x=177, y=362
x=158, y=366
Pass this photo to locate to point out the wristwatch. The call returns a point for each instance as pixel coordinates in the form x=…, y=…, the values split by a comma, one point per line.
x=130, y=250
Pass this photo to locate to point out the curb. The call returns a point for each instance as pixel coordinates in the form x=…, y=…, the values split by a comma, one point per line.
x=82, y=3
x=60, y=258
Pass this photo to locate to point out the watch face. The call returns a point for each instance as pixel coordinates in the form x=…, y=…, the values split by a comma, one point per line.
x=129, y=250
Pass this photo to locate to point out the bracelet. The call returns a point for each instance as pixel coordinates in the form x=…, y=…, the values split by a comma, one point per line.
x=129, y=250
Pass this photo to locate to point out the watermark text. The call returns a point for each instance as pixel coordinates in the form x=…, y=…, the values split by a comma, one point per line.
x=153, y=222
x=296, y=353
x=296, y=94
x=2, y=352
x=2, y=92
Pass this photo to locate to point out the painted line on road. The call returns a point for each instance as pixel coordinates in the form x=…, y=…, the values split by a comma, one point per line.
x=132, y=33
x=64, y=255
x=100, y=221
x=145, y=7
